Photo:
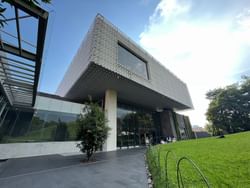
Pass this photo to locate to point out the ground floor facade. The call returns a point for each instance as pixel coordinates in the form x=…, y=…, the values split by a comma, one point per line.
x=51, y=126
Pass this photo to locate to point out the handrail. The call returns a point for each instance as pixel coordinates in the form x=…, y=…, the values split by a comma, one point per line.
x=155, y=156
x=166, y=165
x=195, y=166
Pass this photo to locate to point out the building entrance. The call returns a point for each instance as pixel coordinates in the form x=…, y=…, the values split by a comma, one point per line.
x=135, y=127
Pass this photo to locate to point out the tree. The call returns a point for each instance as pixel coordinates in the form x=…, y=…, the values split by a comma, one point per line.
x=229, y=108
x=92, y=129
x=61, y=132
x=211, y=129
x=29, y=2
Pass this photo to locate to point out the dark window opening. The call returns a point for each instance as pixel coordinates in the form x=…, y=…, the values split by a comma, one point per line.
x=132, y=61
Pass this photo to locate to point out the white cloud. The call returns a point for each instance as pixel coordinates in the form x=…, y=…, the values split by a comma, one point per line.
x=203, y=53
x=168, y=9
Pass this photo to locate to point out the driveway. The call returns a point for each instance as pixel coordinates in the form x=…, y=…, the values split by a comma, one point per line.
x=123, y=168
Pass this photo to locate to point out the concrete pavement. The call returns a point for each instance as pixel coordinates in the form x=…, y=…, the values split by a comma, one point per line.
x=118, y=169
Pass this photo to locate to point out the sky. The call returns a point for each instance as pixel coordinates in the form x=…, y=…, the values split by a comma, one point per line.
x=205, y=43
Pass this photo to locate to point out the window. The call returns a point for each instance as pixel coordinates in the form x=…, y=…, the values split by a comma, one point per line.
x=132, y=62
x=134, y=125
x=38, y=126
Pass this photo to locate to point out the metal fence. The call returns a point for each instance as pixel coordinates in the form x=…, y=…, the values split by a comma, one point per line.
x=159, y=167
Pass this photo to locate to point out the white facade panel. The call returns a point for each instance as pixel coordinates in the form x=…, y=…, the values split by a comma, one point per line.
x=16, y=150
x=76, y=108
x=66, y=106
x=56, y=105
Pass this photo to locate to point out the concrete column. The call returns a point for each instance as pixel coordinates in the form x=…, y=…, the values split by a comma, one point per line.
x=111, y=111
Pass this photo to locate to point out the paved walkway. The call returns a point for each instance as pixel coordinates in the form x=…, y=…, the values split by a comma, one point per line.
x=124, y=168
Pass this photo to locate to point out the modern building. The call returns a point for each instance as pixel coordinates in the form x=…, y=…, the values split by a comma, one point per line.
x=139, y=95
x=200, y=132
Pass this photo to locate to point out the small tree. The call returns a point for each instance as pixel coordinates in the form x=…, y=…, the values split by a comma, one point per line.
x=61, y=132
x=92, y=129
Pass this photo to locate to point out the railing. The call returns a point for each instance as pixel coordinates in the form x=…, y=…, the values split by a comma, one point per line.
x=159, y=168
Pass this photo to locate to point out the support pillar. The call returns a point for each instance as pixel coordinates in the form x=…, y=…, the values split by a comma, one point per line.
x=111, y=113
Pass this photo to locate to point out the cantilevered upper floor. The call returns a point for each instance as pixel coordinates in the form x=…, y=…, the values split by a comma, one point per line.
x=108, y=59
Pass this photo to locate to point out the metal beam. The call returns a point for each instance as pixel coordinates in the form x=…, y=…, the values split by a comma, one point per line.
x=42, y=25
x=16, y=71
x=24, y=41
x=4, y=94
x=22, y=98
x=34, y=11
x=21, y=93
x=16, y=61
x=22, y=90
x=9, y=95
x=20, y=17
x=18, y=84
x=16, y=66
x=18, y=32
x=26, y=98
x=15, y=51
x=20, y=80
x=15, y=75
x=13, y=88
x=22, y=104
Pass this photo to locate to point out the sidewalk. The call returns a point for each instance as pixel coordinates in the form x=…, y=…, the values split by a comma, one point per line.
x=122, y=168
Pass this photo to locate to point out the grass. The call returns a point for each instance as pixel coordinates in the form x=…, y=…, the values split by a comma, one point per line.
x=225, y=162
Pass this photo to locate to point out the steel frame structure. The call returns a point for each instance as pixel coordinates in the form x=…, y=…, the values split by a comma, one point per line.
x=19, y=79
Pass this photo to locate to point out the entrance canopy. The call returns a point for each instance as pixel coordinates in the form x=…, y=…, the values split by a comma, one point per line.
x=20, y=60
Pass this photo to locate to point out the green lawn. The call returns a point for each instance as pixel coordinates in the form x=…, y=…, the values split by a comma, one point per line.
x=225, y=162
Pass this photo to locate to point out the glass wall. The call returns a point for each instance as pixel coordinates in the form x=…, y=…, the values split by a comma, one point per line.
x=4, y=108
x=132, y=62
x=135, y=127
x=37, y=126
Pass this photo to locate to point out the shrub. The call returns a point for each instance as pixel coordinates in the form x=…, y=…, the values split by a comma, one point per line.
x=92, y=129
